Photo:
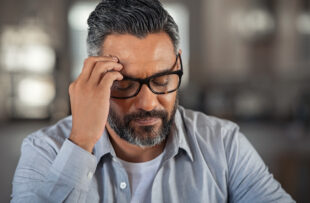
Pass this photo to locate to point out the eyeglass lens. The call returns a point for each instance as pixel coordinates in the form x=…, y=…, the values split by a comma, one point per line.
x=160, y=85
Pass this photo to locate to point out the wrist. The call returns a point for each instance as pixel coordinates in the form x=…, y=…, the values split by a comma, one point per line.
x=86, y=144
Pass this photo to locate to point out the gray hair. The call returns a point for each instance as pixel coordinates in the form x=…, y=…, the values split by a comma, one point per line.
x=136, y=17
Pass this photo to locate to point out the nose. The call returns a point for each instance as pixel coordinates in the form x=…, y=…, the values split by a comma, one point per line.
x=146, y=99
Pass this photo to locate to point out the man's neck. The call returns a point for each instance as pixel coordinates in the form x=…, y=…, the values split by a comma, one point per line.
x=133, y=153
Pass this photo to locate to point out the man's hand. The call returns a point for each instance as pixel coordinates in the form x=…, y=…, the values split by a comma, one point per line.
x=89, y=97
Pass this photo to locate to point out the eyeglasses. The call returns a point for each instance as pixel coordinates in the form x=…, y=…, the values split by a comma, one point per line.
x=160, y=83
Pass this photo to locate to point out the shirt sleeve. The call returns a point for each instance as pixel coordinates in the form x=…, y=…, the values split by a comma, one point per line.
x=44, y=175
x=248, y=177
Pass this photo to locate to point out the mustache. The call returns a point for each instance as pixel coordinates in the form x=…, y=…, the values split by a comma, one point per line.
x=145, y=114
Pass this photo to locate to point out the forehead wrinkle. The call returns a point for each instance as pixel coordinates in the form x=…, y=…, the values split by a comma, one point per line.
x=138, y=69
x=144, y=70
x=130, y=76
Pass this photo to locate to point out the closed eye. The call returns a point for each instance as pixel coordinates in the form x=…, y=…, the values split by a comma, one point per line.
x=122, y=85
x=161, y=80
x=160, y=83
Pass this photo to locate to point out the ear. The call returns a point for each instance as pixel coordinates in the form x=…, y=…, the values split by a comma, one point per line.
x=180, y=51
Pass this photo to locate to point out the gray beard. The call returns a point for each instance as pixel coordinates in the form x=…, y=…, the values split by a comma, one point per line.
x=146, y=136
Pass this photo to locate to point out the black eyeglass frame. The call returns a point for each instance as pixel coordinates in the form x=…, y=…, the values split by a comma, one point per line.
x=147, y=80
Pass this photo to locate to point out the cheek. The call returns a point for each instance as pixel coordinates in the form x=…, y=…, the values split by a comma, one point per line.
x=167, y=101
x=120, y=106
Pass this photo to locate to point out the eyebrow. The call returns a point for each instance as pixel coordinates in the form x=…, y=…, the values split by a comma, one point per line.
x=158, y=73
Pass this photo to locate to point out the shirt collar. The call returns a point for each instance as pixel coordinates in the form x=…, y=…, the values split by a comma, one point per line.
x=103, y=146
x=179, y=138
x=174, y=142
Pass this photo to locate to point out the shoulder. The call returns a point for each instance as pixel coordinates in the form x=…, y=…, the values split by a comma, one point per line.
x=49, y=138
x=210, y=137
x=205, y=126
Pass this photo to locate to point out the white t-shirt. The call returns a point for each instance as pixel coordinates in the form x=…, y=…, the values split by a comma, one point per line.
x=141, y=176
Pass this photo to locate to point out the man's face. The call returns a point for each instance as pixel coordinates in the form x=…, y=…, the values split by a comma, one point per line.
x=145, y=119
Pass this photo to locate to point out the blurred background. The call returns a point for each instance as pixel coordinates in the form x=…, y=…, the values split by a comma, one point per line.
x=245, y=60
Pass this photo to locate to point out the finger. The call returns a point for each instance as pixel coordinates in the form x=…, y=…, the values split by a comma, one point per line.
x=109, y=78
x=102, y=68
x=90, y=62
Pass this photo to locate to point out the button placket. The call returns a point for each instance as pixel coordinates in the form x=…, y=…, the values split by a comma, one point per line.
x=89, y=175
x=123, y=185
x=121, y=181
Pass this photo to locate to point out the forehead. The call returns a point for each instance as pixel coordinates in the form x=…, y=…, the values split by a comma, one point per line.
x=141, y=57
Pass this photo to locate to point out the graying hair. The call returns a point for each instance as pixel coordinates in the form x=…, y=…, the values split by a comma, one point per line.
x=136, y=17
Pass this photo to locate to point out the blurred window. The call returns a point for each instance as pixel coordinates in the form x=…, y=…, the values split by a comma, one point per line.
x=28, y=61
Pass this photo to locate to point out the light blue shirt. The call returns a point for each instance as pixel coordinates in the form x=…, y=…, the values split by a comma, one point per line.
x=206, y=160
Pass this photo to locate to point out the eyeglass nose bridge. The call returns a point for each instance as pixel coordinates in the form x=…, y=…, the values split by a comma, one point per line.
x=146, y=82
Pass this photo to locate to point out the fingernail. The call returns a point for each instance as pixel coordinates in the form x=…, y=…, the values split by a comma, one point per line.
x=115, y=58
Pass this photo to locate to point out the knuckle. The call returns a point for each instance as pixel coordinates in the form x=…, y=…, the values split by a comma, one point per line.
x=92, y=58
x=111, y=75
x=71, y=87
x=102, y=64
x=100, y=68
x=79, y=85
x=86, y=61
x=107, y=66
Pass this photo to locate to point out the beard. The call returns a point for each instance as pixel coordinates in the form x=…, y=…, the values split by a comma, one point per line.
x=143, y=136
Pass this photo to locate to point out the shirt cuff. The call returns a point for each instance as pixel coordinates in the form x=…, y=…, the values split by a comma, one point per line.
x=75, y=165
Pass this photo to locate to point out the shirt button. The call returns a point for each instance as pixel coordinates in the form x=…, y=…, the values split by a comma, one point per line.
x=89, y=175
x=123, y=185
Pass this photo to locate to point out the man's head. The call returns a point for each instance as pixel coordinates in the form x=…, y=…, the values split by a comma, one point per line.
x=144, y=37
x=135, y=17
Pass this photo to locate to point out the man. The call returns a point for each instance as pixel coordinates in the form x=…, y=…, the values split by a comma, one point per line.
x=127, y=139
